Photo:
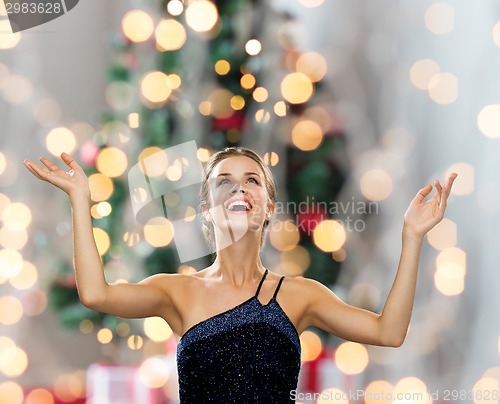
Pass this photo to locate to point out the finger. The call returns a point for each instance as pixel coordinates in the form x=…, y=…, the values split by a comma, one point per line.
x=422, y=193
x=30, y=168
x=69, y=160
x=42, y=171
x=49, y=164
x=449, y=183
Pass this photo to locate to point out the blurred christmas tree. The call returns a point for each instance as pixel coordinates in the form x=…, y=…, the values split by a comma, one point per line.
x=197, y=70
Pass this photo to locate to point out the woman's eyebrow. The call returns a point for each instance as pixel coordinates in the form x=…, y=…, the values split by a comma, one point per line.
x=247, y=173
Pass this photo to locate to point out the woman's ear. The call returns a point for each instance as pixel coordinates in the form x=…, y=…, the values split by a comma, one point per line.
x=206, y=213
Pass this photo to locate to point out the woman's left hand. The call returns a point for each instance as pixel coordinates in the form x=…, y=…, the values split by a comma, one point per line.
x=423, y=216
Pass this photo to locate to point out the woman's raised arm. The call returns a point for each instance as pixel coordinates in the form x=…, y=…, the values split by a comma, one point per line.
x=148, y=298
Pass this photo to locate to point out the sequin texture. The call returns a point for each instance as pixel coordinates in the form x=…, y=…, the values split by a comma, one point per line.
x=247, y=354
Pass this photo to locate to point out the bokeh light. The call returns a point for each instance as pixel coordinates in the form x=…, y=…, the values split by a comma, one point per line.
x=422, y=72
x=137, y=25
x=412, y=385
x=307, y=135
x=464, y=183
x=156, y=87
x=379, y=392
x=170, y=35
x=443, y=235
x=16, y=216
x=101, y=187
x=488, y=121
x=329, y=235
x=351, y=358
x=376, y=184
x=8, y=39
x=17, y=89
x=440, y=18
x=111, y=161
x=443, y=88
x=313, y=65
x=158, y=231
x=175, y=7
x=157, y=329
x=104, y=335
x=153, y=372
x=201, y=15
x=311, y=346
x=60, y=140
x=253, y=47
x=11, y=310
x=11, y=392
x=284, y=235
x=297, y=88
x=102, y=240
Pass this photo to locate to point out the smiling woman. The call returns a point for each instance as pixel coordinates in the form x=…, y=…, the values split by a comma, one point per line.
x=235, y=345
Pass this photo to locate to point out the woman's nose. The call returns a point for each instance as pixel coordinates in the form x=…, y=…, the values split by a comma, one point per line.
x=238, y=187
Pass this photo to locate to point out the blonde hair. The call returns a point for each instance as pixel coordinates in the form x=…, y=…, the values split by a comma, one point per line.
x=216, y=158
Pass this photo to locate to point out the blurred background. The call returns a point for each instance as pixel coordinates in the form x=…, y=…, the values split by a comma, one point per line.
x=354, y=106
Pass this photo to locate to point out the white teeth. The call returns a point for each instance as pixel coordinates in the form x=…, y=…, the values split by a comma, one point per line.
x=240, y=203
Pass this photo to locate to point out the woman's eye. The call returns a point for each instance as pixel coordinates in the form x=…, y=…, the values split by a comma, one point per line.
x=254, y=180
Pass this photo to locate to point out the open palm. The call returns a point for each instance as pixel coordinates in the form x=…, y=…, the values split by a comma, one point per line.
x=420, y=216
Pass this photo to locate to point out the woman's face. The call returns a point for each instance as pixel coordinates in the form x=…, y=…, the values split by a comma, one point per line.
x=238, y=198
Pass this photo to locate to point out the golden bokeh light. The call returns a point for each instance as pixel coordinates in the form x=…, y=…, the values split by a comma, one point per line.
x=329, y=235
x=101, y=187
x=271, y=159
x=205, y=108
x=170, y=35
x=295, y=262
x=175, y=80
x=40, y=396
x=122, y=329
x=260, y=94
x=153, y=161
x=16, y=216
x=449, y=277
x=111, y=161
x=153, y=372
x=313, y=65
x=137, y=25
x=60, y=140
x=311, y=346
x=443, y=88
x=86, y=326
x=11, y=263
x=376, y=184
x=412, y=385
x=203, y=154
x=157, y=329
x=280, y=109
x=443, y=235
x=339, y=255
x=422, y=72
x=26, y=278
x=69, y=387
x=156, y=87
x=158, y=231
x=378, y=392
x=455, y=256
x=351, y=358
x=175, y=7
x=247, y=81
x=296, y=88
x=488, y=121
x=135, y=342
x=222, y=67
x=8, y=39
x=103, y=209
x=11, y=310
x=13, y=361
x=101, y=239
x=133, y=120
x=220, y=101
x=104, y=335
x=440, y=18
x=237, y=102
x=201, y=15
x=262, y=116
x=11, y=392
x=320, y=116
x=481, y=389
x=307, y=135
x=253, y=47
x=17, y=89
x=284, y=235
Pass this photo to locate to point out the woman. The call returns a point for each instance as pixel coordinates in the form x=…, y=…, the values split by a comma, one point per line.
x=240, y=338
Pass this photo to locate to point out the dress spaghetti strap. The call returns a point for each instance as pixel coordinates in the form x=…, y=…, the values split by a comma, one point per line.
x=260, y=284
x=278, y=287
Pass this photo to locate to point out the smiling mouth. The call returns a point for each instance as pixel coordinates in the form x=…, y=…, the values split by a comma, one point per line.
x=239, y=206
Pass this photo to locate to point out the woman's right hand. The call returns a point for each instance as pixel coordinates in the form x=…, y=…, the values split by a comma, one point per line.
x=74, y=182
